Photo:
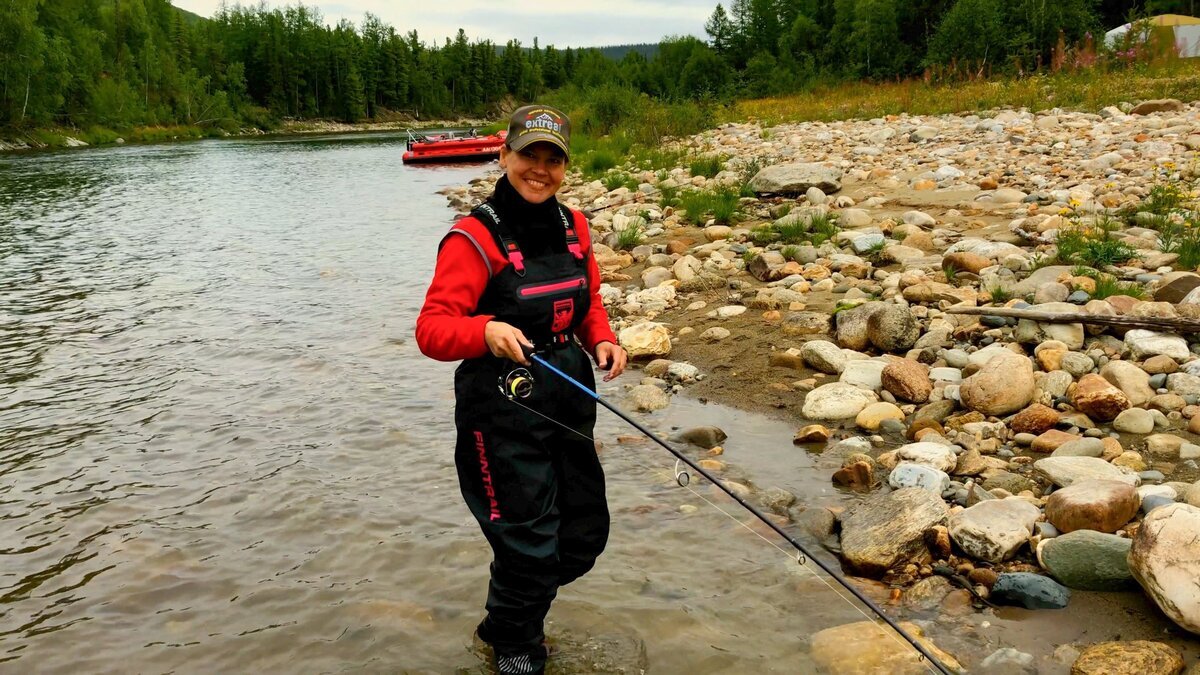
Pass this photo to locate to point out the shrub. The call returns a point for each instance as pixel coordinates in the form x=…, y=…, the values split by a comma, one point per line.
x=613, y=180
x=630, y=236
x=1091, y=247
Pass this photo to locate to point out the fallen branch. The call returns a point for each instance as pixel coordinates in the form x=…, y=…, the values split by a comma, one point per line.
x=1177, y=325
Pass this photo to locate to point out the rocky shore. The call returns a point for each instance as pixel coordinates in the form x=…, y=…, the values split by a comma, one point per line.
x=994, y=460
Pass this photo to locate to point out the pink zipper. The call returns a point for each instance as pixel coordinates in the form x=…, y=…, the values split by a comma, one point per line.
x=547, y=289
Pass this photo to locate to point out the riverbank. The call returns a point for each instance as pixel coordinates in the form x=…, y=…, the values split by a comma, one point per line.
x=812, y=271
x=67, y=138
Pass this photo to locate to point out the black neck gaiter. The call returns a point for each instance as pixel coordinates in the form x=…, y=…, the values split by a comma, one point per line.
x=538, y=228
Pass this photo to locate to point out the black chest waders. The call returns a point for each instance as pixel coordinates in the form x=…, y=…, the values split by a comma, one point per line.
x=536, y=489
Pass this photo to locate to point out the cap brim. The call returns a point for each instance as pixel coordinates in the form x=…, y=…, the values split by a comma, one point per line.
x=531, y=137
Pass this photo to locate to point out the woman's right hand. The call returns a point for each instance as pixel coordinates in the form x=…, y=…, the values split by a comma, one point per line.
x=505, y=340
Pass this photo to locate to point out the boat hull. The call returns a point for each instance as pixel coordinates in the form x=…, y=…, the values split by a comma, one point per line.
x=454, y=150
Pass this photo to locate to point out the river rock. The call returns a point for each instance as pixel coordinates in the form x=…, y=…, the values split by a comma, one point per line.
x=1035, y=419
x=1146, y=343
x=648, y=398
x=796, y=179
x=852, y=325
x=703, y=437
x=886, y=530
x=907, y=380
x=909, y=475
x=1134, y=421
x=892, y=328
x=646, y=340
x=836, y=401
x=812, y=433
x=1031, y=591
x=860, y=649
x=824, y=356
x=1065, y=471
x=805, y=323
x=1080, y=447
x=874, y=415
x=1136, y=657
x=1131, y=380
x=1003, y=385
x=1156, y=106
x=933, y=455
x=1086, y=560
x=1165, y=560
x=993, y=530
x=865, y=373
x=1098, y=399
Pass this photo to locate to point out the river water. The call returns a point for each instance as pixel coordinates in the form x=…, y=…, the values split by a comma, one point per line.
x=221, y=451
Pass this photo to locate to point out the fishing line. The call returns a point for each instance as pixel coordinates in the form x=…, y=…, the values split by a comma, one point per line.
x=526, y=381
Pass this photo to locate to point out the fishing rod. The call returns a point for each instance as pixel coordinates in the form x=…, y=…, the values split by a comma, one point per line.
x=519, y=384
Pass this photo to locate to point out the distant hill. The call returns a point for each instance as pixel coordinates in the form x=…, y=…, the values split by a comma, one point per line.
x=618, y=52
x=190, y=17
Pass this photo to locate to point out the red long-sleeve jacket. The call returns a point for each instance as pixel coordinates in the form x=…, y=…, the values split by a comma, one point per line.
x=448, y=329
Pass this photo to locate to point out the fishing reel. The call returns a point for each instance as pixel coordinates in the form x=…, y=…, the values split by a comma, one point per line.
x=517, y=384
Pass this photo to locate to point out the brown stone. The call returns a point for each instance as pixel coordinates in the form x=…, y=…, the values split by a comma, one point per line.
x=1137, y=657
x=1112, y=448
x=857, y=476
x=907, y=380
x=937, y=539
x=956, y=422
x=1101, y=505
x=966, y=262
x=1050, y=360
x=680, y=246
x=1049, y=440
x=813, y=433
x=925, y=425
x=860, y=649
x=1157, y=105
x=1122, y=303
x=983, y=576
x=924, y=185
x=1194, y=424
x=988, y=183
x=1162, y=363
x=919, y=240
x=1176, y=286
x=1098, y=399
x=1034, y=420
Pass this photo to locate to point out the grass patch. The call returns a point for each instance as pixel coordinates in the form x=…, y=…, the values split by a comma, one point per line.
x=632, y=235
x=1093, y=247
x=1000, y=294
x=613, y=180
x=1108, y=286
x=667, y=196
x=721, y=204
x=707, y=166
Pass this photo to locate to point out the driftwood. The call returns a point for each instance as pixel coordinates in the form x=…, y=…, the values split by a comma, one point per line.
x=1178, y=325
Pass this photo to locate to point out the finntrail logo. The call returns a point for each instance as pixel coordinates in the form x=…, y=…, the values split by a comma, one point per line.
x=546, y=122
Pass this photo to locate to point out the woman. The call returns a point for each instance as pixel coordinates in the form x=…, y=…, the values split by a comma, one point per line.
x=518, y=274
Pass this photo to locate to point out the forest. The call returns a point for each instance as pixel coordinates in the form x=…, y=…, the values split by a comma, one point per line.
x=122, y=63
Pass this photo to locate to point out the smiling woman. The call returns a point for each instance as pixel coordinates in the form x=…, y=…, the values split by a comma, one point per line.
x=516, y=277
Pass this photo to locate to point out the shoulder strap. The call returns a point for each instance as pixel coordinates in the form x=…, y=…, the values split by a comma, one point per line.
x=508, y=246
x=568, y=219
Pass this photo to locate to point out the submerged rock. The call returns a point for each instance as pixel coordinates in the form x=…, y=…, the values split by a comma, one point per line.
x=1137, y=657
x=863, y=648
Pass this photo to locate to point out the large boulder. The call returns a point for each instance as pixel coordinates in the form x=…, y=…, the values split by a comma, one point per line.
x=1165, y=560
x=1095, y=397
x=993, y=530
x=852, y=325
x=1004, y=385
x=1087, y=561
x=836, y=401
x=1137, y=657
x=888, y=530
x=1100, y=505
x=1064, y=471
x=860, y=649
x=892, y=328
x=646, y=340
x=796, y=179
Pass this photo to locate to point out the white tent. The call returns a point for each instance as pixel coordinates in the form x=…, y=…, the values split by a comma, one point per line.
x=1172, y=29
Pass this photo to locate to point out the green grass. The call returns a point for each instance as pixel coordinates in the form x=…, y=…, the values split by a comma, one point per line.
x=1164, y=199
x=707, y=166
x=1108, y=286
x=668, y=196
x=631, y=236
x=721, y=204
x=598, y=162
x=824, y=227
x=791, y=253
x=1000, y=294
x=763, y=235
x=794, y=231
x=1091, y=247
x=613, y=180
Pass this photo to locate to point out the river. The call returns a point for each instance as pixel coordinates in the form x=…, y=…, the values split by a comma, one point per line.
x=221, y=451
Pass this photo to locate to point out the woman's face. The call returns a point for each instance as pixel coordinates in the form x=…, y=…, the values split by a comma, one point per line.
x=536, y=171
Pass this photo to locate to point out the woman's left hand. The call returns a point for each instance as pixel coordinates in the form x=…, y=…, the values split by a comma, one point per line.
x=612, y=358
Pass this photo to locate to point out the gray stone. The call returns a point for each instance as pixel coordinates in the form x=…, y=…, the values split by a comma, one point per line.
x=994, y=530
x=1031, y=591
x=1134, y=421
x=836, y=401
x=1063, y=471
x=796, y=179
x=892, y=328
x=704, y=437
x=887, y=530
x=1087, y=560
x=908, y=474
x=1084, y=447
x=823, y=356
x=1165, y=560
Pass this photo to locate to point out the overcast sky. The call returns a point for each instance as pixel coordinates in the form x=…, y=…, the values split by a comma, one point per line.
x=579, y=23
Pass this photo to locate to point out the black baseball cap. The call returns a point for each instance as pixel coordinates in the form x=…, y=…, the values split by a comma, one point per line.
x=535, y=123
